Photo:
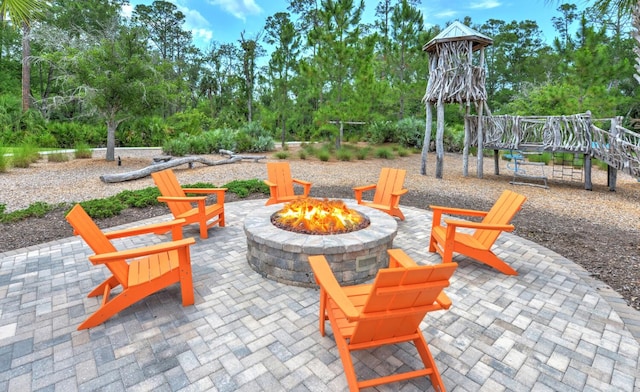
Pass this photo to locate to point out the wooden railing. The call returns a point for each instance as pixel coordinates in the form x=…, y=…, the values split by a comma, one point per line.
x=618, y=147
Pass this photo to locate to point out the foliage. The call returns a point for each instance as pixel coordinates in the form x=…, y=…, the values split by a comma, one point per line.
x=103, y=208
x=344, y=155
x=4, y=161
x=302, y=154
x=281, y=155
x=82, y=151
x=25, y=155
x=323, y=154
x=57, y=157
x=380, y=132
x=410, y=132
x=384, y=153
x=140, y=198
x=243, y=188
x=35, y=210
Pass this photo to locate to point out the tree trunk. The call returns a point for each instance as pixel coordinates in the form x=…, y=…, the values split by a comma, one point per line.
x=112, y=125
x=26, y=67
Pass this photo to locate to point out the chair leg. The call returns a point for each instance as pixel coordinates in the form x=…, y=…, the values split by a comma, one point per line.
x=99, y=290
x=120, y=302
x=429, y=362
x=489, y=258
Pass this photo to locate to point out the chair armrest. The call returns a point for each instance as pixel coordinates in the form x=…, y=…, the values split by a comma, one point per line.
x=301, y=182
x=400, y=192
x=478, y=225
x=364, y=188
x=269, y=183
x=205, y=190
x=398, y=258
x=157, y=228
x=443, y=300
x=458, y=211
x=184, y=199
x=328, y=283
x=358, y=190
x=139, y=252
x=219, y=192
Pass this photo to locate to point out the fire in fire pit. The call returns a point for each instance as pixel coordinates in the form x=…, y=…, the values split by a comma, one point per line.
x=314, y=216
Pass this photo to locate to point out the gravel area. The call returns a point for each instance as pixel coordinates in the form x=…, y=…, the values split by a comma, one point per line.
x=598, y=229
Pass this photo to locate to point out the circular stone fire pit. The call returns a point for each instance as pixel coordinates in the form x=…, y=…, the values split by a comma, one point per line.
x=282, y=255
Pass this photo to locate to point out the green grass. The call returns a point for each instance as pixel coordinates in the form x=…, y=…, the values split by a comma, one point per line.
x=282, y=154
x=384, y=153
x=57, y=157
x=24, y=156
x=83, y=151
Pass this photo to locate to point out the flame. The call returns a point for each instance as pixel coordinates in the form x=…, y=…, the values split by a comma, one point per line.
x=314, y=216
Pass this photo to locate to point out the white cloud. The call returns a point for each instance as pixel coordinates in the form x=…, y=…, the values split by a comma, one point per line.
x=127, y=10
x=485, y=5
x=446, y=14
x=238, y=8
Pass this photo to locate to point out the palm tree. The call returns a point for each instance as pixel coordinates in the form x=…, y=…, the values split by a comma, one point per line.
x=22, y=12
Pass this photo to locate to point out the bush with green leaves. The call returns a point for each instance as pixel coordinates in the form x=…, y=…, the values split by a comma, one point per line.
x=243, y=188
x=190, y=121
x=145, y=131
x=35, y=210
x=4, y=161
x=410, y=132
x=57, y=157
x=344, y=155
x=177, y=147
x=384, y=153
x=323, y=154
x=140, y=198
x=282, y=154
x=380, y=132
x=103, y=208
x=82, y=151
x=25, y=155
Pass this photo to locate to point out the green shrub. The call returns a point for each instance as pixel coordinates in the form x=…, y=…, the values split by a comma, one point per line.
x=344, y=155
x=281, y=155
x=57, y=157
x=410, y=132
x=103, y=208
x=82, y=151
x=302, y=154
x=140, y=198
x=323, y=155
x=379, y=132
x=544, y=157
x=363, y=153
x=403, y=152
x=37, y=209
x=4, y=161
x=177, y=147
x=384, y=153
x=243, y=188
x=25, y=155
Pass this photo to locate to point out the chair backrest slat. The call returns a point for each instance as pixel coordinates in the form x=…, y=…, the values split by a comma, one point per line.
x=390, y=180
x=168, y=185
x=402, y=296
x=504, y=209
x=84, y=226
x=280, y=174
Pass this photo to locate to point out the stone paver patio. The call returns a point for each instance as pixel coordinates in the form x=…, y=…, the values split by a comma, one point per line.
x=552, y=328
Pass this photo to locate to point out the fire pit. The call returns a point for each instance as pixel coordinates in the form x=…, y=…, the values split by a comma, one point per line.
x=319, y=217
x=282, y=255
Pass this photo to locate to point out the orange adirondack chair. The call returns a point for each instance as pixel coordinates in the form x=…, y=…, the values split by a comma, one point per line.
x=447, y=239
x=387, y=192
x=281, y=184
x=389, y=311
x=181, y=205
x=141, y=272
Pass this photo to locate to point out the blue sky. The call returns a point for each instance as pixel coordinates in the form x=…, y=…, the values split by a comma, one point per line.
x=225, y=20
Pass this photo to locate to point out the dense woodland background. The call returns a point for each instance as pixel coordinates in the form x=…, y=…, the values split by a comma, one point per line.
x=91, y=72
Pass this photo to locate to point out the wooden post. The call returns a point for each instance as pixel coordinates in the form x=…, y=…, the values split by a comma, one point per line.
x=612, y=172
x=427, y=137
x=480, y=141
x=439, y=140
x=496, y=162
x=467, y=141
x=587, y=156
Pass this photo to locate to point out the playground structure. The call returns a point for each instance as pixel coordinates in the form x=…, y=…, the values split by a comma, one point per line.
x=454, y=78
x=577, y=134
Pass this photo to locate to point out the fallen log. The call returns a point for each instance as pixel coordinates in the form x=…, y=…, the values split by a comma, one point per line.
x=145, y=172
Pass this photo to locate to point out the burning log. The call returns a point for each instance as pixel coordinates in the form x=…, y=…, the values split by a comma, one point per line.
x=319, y=217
